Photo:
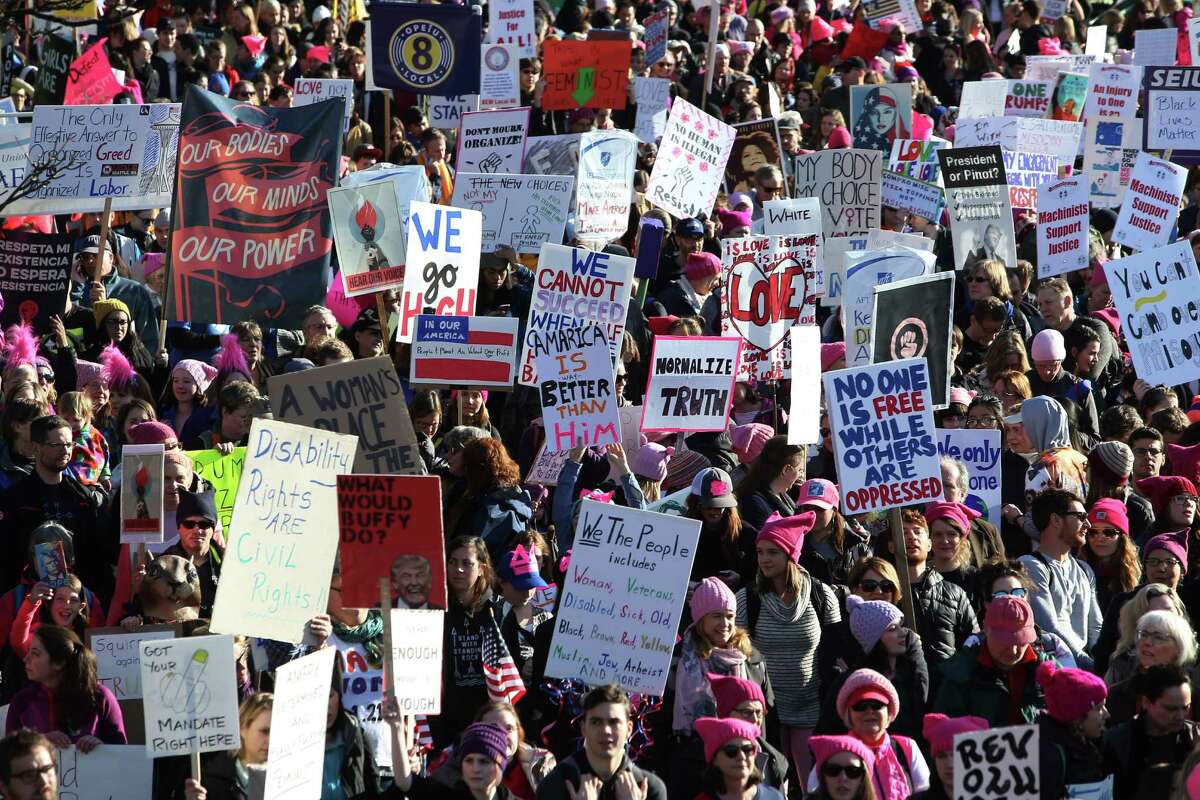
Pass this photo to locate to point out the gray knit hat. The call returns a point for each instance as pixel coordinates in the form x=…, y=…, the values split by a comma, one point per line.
x=1115, y=457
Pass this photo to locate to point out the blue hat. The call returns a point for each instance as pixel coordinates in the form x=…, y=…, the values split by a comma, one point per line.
x=519, y=567
x=690, y=227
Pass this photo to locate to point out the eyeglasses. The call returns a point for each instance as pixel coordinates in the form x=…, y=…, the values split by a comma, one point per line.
x=31, y=776
x=1080, y=516
x=831, y=770
x=1158, y=637
x=977, y=279
x=1107, y=533
x=982, y=422
x=1147, y=451
x=1163, y=562
x=1184, y=499
x=192, y=524
x=872, y=585
x=867, y=705
x=1018, y=591
x=735, y=750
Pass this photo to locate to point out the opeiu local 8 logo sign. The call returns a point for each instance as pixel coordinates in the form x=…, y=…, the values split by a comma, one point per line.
x=421, y=53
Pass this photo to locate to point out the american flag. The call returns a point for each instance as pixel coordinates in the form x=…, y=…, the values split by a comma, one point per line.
x=499, y=670
x=478, y=351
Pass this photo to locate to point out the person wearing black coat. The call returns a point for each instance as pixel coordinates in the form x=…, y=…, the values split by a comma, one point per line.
x=1071, y=729
x=1146, y=752
x=765, y=489
x=726, y=546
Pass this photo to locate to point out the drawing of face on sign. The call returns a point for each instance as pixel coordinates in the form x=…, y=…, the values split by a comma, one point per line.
x=909, y=339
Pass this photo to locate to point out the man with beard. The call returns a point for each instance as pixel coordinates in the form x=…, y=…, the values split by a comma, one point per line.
x=27, y=769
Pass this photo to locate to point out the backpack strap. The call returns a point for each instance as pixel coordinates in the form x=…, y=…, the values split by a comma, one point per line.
x=753, y=607
x=1046, y=563
x=817, y=599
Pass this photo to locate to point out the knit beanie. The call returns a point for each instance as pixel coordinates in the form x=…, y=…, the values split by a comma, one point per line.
x=749, y=440
x=825, y=747
x=151, y=432
x=830, y=353
x=715, y=733
x=1184, y=459
x=866, y=684
x=102, y=308
x=203, y=374
x=712, y=594
x=1159, y=489
x=869, y=619
x=1070, y=693
x=787, y=533
x=1048, y=345
x=651, y=461
x=1113, y=460
x=731, y=691
x=940, y=730
x=1109, y=511
x=839, y=138
x=957, y=513
x=1175, y=543
x=487, y=739
x=701, y=265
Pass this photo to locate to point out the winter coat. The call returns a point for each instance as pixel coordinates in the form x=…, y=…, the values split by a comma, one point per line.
x=1066, y=759
x=944, y=617
x=970, y=684
x=911, y=681
x=1125, y=753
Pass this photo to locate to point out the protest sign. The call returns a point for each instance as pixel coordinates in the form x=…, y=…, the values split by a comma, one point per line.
x=880, y=115
x=417, y=637
x=111, y=772
x=499, y=85
x=804, y=417
x=363, y=398
x=836, y=251
x=880, y=13
x=281, y=542
x=14, y=157
x=553, y=155
x=391, y=526
x=296, y=751
x=90, y=79
x=864, y=271
x=1000, y=761
x=1193, y=38
x=118, y=656
x=1155, y=46
x=1110, y=150
x=1028, y=98
x=1173, y=112
x=847, y=182
x=1024, y=172
x=511, y=22
x=34, y=268
x=191, y=700
x=50, y=82
x=575, y=287
x=631, y=428
x=442, y=272
x=980, y=214
x=271, y=165
x=492, y=142
x=521, y=211
x=223, y=472
x=1070, y=93
x=368, y=232
x=767, y=289
x=690, y=387
x=1154, y=292
x=883, y=438
x=578, y=390
x=464, y=351
x=409, y=182
x=911, y=319
x=798, y=217
x=1097, y=40
x=691, y=161
x=622, y=597
x=755, y=144
x=591, y=74
x=911, y=195
x=1059, y=138
x=653, y=98
x=915, y=158
x=1151, y=205
x=446, y=113
x=307, y=91
x=979, y=451
x=983, y=98
x=655, y=37
x=878, y=239
x=605, y=186
x=424, y=49
x=1112, y=91
x=547, y=465
x=1062, y=232
x=142, y=493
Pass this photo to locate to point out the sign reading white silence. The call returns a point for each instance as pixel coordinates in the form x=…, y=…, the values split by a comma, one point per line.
x=191, y=701
x=622, y=597
x=417, y=657
x=691, y=383
x=296, y=750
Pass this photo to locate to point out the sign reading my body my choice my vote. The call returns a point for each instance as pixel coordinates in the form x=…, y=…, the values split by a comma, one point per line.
x=622, y=597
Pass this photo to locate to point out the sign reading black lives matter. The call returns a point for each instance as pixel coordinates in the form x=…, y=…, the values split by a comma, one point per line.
x=980, y=213
x=912, y=320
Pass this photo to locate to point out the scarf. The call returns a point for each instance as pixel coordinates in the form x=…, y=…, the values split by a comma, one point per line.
x=693, y=695
x=369, y=635
x=445, y=188
x=891, y=780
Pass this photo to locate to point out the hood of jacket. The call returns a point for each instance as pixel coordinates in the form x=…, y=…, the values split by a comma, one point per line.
x=1046, y=423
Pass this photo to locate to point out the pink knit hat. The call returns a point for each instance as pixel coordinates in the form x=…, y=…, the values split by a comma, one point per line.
x=866, y=684
x=839, y=138
x=869, y=619
x=1184, y=460
x=651, y=461
x=1070, y=693
x=830, y=353
x=826, y=747
x=701, y=265
x=958, y=513
x=731, y=691
x=711, y=595
x=203, y=374
x=940, y=730
x=1175, y=543
x=1048, y=345
x=749, y=440
x=715, y=733
x=1159, y=489
x=86, y=372
x=151, y=432
x=1109, y=511
x=787, y=533
x=818, y=492
x=732, y=220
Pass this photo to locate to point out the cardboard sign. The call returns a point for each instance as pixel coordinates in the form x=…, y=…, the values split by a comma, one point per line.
x=313, y=90
x=766, y=291
x=417, y=639
x=1110, y=150
x=1059, y=138
x=1112, y=91
x=50, y=83
x=691, y=161
x=901, y=12
x=690, y=387
x=622, y=597
x=1173, y=112
x=983, y=98
x=442, y=272
x=578, y=390
x=34, y=269
x=866, y=270
x=980, y=451
x=986, y=760
x=281, y=541
x=1024, y=173
x=142, y=493
x=1062, y=232
x=911, y=319
x=1151, y=206
x=880, y=115
x=1097, y=40
x=553, y=155
x=1028, y=98
x=391, y=526
x=756, y=144
x=296, y=752
x=446, y=112
x=492, y=142
x=847, y=182
x=511, y=22
x=607, y=160
x=883, y=438
x=90, y=80
x=106, y=773
x=655, y=37
x=804, y=421
x=409, y=182
x=878, y=239
x=980, y=213
x=653, y=98
x=575, y=287
x=798, y=217
x=547, y=466
x=363, y=398
x=592, y=74
x=1155, y=46
x=521, y=211
x=119, y=656
x=191, y=696
x=1153, y=291
x=223, y=472
x=914, y=196
x=368, y=232
x=499, y=82
x=464, y=351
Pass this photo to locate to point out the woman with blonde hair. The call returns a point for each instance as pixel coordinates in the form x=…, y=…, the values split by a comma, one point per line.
x=989, y=278
x=1150, y=598
x=1012, y=388
x=227, y=775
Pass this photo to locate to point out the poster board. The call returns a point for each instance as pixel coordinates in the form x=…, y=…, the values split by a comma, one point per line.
x=492, y=142
x=848, y=184
x=307, y=91
x=578, y=390
x=1112, y=91
x=591, y=74
x=417, y=641
x=690, y=386
x=984, y=98
x=880, y=115
x=521, y=211
x=980, y=211
x=691, y=162
x=1173, y=112
x=1012, y=752
x=547, y=465
x=296, y=751
x=604, y=188
x=1062, y=232
x=441, y=273
x=118, y=655
x=804, y=419
x=34, y=271
x=865, y=271
x=917, y=197
x=446, y=112
x=142, y=493
x=756, y=144
x=107, y=773
x=191, y=696
x=980, y=451
x=369, y=236
x=511, y=21
x=464, y=351
x=1027, y=98
x=1110, y=149
x=653, y=98
x=223, y=472
x=1151, y=205
x=912, y=319
x=499, y=79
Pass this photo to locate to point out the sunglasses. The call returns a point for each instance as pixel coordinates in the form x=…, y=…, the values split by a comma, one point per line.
x=977, y=279
x=1020, y=591
x=849, y=770
x=735, y=750
x=871, y=585
x=192, y=524
x=1107, y=533
x=867, y=705
x=1081, y=516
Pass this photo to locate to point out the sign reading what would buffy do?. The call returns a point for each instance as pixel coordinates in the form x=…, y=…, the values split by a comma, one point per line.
x=883, y=438
x=191, y=701
x=691, y=383
x=691, y=161
x=442, y=265
x=282, y=540
x=622, y=597
x=578, y=390
x=1001, y=762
